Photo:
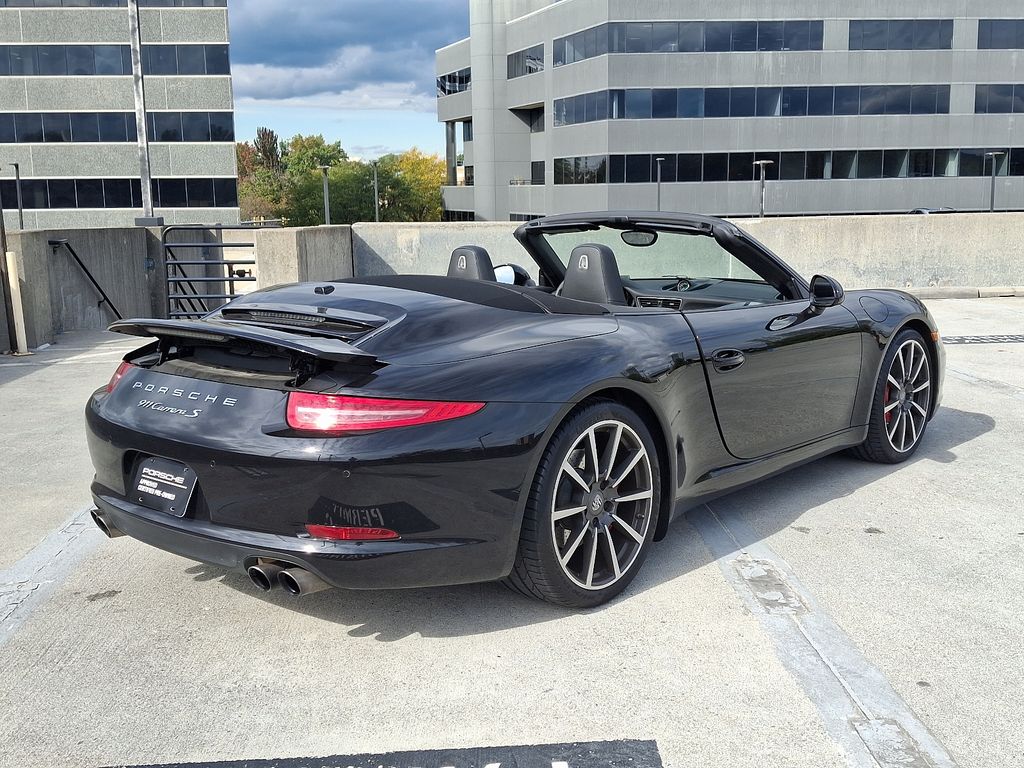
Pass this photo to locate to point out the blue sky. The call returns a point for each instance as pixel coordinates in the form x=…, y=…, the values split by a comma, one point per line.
x=357, y=71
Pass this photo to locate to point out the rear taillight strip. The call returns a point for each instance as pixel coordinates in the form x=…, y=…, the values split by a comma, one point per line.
x=344, y=414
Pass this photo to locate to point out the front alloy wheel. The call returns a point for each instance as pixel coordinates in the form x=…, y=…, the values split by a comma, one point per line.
x=592, y=509
x=902, y=402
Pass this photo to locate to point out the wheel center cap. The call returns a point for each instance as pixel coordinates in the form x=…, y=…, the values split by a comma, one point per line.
x=597, y=503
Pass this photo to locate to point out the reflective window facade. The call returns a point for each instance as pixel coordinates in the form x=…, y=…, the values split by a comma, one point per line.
x=901, y=34
x=120, y=193
x=113, y=127
x=688, y=37
x=1001, y=33
x=786, y=166
x=185, y=60
x=454, y=82
x=789, y=101
x=999, y=99
x=526, y=62
x=50, y=60
x=112, y=3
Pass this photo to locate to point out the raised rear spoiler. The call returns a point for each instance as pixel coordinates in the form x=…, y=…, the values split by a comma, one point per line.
x=221, y=332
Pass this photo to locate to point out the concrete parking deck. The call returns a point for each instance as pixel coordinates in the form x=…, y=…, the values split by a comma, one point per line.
x=844, y=614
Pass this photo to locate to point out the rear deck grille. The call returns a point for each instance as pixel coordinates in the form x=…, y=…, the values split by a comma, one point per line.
x=318, y=324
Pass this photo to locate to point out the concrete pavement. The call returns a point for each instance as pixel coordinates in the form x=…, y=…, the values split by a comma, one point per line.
x=898, y=614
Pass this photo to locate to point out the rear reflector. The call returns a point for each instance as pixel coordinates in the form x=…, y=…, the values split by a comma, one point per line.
x=341, y=414
x=122, y=369
x=350, y=533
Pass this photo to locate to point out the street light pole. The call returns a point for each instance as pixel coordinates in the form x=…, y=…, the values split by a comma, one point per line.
x=763, y=165
x=17, y=187
x=327, y=196
x=659, y=160
x=993, y=156
x=376, y=192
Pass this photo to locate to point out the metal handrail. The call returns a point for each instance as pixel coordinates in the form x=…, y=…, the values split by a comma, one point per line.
x=57, y=245
x=189, y=300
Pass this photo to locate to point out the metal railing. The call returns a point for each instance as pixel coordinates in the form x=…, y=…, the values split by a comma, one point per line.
x=56, y=245
x=195, y=295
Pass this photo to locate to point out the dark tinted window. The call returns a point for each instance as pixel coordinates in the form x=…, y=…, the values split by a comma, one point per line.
x=819, y=100
x=34, y=194
x=716, y=166
x=200, y=193
x=222, y=126
x=794, y=102
x=81, y=60
x=62, y=193
x=109, y=60
x=972, y=162
x=691, y=36
x=664, y=103
x=847, y=100
x=638, y=169
x=172, y=193
x=923, y=99
x=668, y=167
x=118, y=193
x=90, y=193
x=56, y=126
x=688, y=167
x=52, y=61
x=742, y=102
x=690, y=102
x=7, y=133
x=921, y=163
x=894, y=163
x=771, y=35
x=741, y=166
x=716, y=102
x=85, y=126
x=638, y=103
x=817, y=163
x=112, y=126
x=23, y=60
x=29, y=127
x=665, y=37
x=638, y=38
x=843, y=164
x=768, y=102
x=191, y=60
x=718, y=36
x=897, y=100
x=744, y=35
x=872, y=100
x=166, y=126
x=792, y=168
x=195, y=126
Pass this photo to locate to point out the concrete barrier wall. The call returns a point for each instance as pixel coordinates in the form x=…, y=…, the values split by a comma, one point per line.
x=302, y=254
x=56, y=294
x=976, y=250
x=948, y=250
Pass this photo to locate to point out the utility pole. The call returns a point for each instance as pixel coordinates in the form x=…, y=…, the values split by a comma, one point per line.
x=659, y=160
x=993, y=157
x=763, y=165
x=376, y=192
x=17, y=187
x=142, y=124
x=327, y=196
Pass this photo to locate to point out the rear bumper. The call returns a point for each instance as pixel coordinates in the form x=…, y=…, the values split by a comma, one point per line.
x=349, y=565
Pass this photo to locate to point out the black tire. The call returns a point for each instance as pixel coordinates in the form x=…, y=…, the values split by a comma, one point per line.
x=605, y=527
x=898, y=408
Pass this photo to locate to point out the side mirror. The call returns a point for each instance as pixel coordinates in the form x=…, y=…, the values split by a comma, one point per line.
x=825, y=292
x=513, y=274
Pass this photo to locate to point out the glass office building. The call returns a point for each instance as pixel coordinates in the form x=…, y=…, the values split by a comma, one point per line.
x=900, y=107
x=70, y=112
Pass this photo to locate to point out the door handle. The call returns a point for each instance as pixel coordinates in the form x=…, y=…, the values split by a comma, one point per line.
x=726, y=360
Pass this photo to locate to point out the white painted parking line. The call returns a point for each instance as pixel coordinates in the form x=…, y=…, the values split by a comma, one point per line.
x=28, y=583
x=859, y=709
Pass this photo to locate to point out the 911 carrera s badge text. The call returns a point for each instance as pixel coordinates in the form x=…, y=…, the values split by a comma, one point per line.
x=153, y=405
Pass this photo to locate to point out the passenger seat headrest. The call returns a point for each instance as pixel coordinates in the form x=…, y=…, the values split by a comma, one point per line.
x=471, y=262
x=593, y=275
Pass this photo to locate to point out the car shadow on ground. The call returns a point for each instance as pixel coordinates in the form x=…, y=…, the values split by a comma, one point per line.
x=477, y=609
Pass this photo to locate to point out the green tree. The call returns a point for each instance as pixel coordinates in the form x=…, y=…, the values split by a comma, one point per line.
x=303, y=154
x=350, y=183
x=268, y=149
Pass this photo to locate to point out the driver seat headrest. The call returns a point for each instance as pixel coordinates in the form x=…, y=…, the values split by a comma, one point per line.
x=593, y=275
x=471, y=262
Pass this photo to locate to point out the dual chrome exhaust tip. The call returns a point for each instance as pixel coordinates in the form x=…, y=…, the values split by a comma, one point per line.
x=294, y=581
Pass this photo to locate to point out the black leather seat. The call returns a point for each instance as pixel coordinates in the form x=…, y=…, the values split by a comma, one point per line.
x=471, y=262
x=593, y=275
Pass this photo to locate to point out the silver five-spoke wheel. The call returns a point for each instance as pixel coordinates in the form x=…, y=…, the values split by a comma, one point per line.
x=602, y=503
x=907, y=396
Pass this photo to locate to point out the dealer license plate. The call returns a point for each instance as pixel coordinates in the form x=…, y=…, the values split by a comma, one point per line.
x=164, y=485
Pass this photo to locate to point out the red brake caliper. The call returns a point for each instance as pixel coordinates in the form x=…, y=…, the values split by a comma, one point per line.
x=885, y=403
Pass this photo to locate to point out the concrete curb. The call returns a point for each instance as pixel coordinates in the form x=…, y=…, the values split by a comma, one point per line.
x=959, y=292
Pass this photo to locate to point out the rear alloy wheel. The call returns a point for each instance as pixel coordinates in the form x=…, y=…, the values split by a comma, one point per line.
x=592, y=510
x=902, y=402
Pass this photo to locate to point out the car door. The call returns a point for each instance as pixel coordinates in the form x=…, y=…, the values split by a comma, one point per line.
x=780, y=375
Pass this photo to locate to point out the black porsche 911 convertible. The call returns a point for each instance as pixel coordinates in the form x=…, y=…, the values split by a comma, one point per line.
x=539, y=426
